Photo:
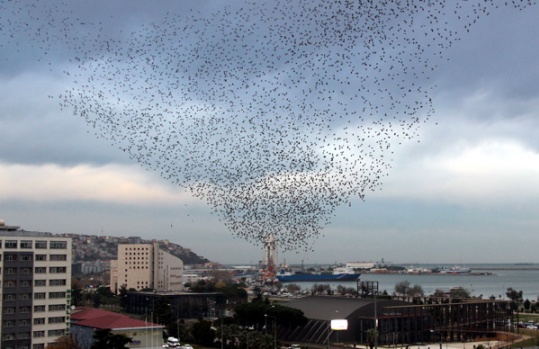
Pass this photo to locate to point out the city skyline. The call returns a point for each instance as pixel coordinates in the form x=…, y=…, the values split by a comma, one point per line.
x=466, y=190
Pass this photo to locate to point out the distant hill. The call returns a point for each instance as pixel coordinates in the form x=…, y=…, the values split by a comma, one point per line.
x=87, y=248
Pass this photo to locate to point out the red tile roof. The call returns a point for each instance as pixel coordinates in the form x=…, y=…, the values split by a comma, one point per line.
x=102, y=319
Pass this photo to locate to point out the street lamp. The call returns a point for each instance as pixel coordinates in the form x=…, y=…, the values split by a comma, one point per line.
x=274, y=329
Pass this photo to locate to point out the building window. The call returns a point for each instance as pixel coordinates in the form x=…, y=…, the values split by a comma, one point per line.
x=41, y=270
x=57, y=320
x=40, y=283
x=26, y=257
x=11, y=244
x=26, y=271
x=25, y=296
x=8, y=336
x=38, y=334
x=57, y=282
x=56, y=307
x=38, y=346
x=9, y=310
x=11, y=283
x=9, y=297
x=23, y=335
x=24, y=322
x=41, y=257
x=8, y=323
x=57, y=270
x=40, y=295
x=41, y=244
x=58, y=245
x=10, y=258
x=56, y=333
x=26, y=244
x=39, y=321
x=58, y=257
x=39, y=308
x=53, y=295
x=25, y=309
x=11, y=271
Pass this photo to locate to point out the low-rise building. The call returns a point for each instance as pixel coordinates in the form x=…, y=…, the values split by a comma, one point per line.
x=86, y=321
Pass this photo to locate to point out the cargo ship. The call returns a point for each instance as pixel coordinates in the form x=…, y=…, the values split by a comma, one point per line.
x=338, y=274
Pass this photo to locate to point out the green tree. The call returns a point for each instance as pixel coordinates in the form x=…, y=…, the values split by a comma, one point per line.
x=371, y=336
x=76, y=292
x=527, y=304
x=227, y=332
x=459, y=293
x=163, y=312
x=293, y=288
x=203, y=333
x=401, y=288
x=515, y=297
x=287, y=317
x=438, y=293
x=65, y=342
x=178, y=329
x=103, y=295
x=415, y=291
x=321, y=289
x=254, y=339
x=96, y=300
x=123, y=295
x=251, y=314
x=105, y=339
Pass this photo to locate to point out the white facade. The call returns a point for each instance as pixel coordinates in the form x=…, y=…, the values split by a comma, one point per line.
x=141, y=266
x=36, y=288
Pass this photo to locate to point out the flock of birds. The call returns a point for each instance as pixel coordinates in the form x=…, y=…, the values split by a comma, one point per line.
x=275, y=113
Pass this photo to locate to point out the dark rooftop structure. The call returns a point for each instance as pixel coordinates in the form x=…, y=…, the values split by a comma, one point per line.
x=399, y=321
x=181, y=305
x=360, y=314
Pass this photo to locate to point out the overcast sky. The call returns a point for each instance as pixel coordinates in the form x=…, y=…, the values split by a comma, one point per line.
x=466, y=190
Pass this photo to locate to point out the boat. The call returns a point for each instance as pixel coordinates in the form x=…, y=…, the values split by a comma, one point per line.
x=338, y=274
x=455, y=270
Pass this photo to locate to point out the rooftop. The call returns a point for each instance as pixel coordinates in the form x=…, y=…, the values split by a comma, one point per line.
x=102, y=319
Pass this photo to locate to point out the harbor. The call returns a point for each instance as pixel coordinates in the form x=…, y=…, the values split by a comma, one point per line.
x=484, y=280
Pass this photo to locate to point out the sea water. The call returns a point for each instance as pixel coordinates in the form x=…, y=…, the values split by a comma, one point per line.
x=523, y=278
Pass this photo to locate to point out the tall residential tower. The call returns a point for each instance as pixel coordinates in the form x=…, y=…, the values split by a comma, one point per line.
x=35, y=288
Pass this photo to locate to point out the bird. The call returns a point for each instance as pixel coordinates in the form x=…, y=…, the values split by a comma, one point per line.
x=273, y=113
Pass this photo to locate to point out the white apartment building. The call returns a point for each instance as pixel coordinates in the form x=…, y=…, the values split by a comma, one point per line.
x=144, y=266
x=35, y=288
